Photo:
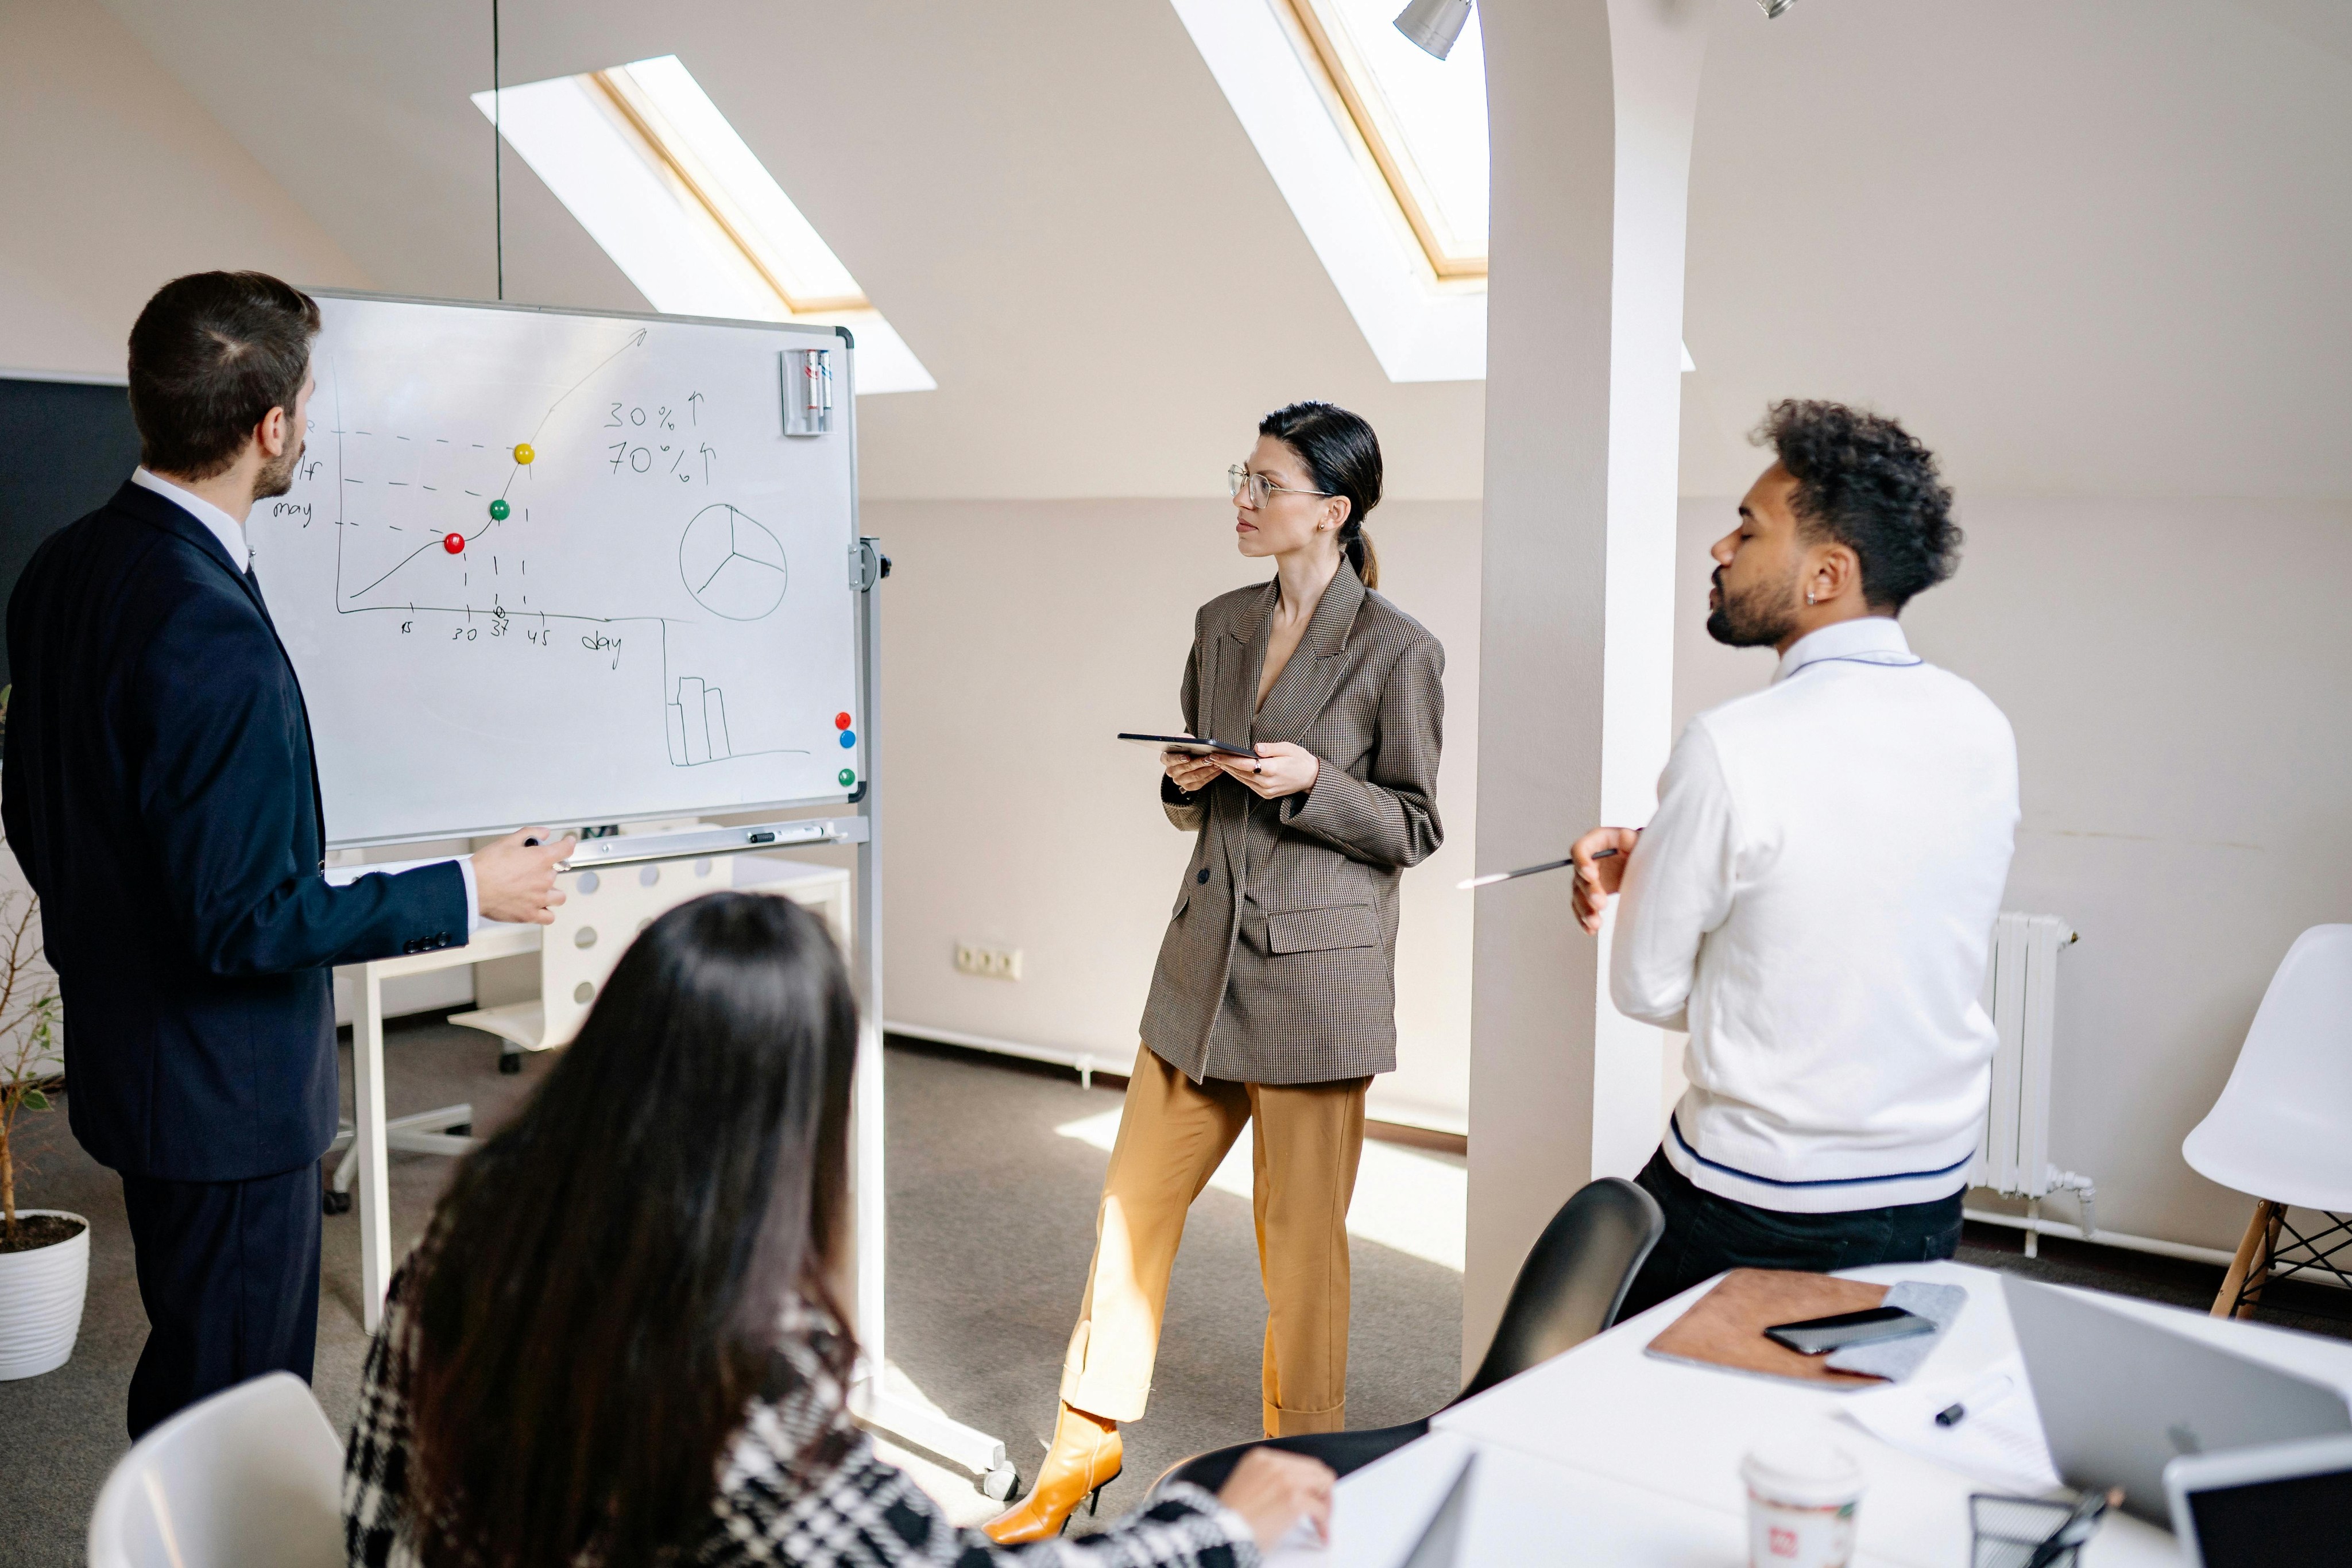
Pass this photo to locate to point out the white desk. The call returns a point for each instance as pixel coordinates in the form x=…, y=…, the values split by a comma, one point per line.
x=1639, y=1458
x=824, y=888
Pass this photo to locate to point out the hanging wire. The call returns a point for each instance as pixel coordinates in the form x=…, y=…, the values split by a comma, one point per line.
x=497, y=153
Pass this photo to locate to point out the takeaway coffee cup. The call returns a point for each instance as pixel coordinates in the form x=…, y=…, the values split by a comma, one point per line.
x=1801, y=1498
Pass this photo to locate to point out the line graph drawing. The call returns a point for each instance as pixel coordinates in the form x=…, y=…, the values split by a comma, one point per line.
x=471, y=527
x=731, y=564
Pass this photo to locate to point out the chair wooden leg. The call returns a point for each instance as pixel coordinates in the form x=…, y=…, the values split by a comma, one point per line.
x=2255, y=1248
x=2260, y=1274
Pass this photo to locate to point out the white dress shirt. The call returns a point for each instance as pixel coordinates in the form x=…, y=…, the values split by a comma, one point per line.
x=1814, y=901
x=231, y=534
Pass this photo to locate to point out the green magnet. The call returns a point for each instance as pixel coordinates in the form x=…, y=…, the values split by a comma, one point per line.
x=848, y=776
x=497, y=511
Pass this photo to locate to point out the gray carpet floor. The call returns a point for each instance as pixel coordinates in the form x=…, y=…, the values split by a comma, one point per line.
x=990, y=1217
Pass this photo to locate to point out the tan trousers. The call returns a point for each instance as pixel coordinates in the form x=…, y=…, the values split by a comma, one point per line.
x=1171, y=1134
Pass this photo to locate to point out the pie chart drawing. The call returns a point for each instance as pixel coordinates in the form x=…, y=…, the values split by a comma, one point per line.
x=732, y=564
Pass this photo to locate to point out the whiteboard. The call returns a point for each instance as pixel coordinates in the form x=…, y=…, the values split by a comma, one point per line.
x=661, y=623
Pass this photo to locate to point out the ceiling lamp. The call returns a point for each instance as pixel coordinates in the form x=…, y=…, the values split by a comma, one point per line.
x=1433, y=24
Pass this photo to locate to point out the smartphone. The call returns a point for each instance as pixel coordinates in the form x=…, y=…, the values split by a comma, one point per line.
x=1818, y=1336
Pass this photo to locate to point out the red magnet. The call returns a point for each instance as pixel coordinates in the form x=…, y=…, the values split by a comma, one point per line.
x=841, y=721
x=454, y=543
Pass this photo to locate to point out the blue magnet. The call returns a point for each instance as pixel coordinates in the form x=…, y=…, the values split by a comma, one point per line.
x=848, y=738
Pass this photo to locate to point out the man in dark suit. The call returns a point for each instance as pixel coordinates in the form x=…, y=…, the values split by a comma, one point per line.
x=161, y=793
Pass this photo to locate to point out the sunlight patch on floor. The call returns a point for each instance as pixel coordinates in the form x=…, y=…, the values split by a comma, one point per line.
x=1406, y=1200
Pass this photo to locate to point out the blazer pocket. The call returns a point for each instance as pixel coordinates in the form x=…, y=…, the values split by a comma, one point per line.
x=1318, y=930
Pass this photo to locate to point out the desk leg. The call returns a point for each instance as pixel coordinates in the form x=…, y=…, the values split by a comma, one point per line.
x=368, y=1148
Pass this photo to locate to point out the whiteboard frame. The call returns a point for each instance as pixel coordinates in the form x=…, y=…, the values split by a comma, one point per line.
x=845, y=407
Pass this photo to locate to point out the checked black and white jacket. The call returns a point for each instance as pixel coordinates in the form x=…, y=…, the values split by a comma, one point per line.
x=855, y=1510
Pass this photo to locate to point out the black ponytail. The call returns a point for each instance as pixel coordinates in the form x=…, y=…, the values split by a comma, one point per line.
x=1344, y=456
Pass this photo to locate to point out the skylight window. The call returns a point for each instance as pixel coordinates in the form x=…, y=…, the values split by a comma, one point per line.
x=1422, y=121
x=643, y=157
x=1382, y=158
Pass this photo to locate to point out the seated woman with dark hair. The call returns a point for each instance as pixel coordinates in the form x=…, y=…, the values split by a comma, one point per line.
x=617, y=1343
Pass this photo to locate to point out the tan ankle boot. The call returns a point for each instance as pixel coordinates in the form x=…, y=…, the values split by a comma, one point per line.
x=1084, y=1459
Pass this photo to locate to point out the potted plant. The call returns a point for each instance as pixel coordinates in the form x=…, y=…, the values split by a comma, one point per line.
x=44, y=1253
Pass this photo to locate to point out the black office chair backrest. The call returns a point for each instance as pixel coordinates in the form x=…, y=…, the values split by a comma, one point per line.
x=1574, y=1280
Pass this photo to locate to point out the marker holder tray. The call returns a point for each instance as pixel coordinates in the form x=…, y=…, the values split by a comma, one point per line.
x=2007, y=1531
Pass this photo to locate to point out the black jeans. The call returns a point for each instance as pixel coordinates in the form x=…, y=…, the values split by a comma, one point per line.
x=1706, y=1234
x=228, y=1271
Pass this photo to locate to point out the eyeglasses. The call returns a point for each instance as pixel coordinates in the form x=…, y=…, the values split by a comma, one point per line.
x=1240, y=481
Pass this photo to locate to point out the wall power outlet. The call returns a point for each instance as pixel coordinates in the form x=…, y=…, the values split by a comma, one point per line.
x=988, y=963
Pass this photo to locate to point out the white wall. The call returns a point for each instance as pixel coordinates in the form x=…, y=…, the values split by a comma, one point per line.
x=113, y=180
x=2178, y=678
x=1020, y=637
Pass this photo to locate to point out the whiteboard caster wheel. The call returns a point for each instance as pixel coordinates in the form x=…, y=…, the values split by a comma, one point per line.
x=510, y=1063
x=337, y=1202
x=1001, y=1484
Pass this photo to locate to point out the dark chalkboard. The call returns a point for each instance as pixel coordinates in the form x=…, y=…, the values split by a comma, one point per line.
x=65, y=447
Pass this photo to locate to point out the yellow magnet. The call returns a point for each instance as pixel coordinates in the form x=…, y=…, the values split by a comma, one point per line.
x=523, y=454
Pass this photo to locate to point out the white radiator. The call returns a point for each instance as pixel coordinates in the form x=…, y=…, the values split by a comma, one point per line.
x=2022, y=994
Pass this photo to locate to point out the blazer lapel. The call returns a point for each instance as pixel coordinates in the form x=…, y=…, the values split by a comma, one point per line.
x=1313, y=673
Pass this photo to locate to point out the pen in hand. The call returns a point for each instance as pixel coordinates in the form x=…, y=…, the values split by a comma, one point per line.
x=1526, y=871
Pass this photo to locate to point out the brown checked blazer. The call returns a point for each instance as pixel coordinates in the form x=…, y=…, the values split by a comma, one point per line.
x=1279, y=964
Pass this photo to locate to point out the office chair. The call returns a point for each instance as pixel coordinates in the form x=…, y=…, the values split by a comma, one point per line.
x=251, y=1477
x=1569, y=1289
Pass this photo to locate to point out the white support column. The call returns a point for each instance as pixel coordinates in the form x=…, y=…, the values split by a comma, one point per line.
x=1591, y=103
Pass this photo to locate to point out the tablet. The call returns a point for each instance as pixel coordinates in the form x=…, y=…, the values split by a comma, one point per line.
x=1187, y=743
x=2281, y=1505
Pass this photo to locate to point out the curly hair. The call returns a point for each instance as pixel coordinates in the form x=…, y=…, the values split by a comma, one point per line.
x=1870, y=484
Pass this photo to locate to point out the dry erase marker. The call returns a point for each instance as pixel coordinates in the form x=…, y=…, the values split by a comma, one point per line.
x=1525, y=870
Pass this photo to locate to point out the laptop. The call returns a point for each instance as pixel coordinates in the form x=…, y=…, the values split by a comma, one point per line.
x=2121, y=1396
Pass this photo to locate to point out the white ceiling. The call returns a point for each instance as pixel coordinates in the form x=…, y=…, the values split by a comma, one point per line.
x=2082, y=246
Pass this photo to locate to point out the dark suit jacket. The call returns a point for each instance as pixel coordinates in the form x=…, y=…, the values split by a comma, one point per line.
x=161, y=794
x=1279, y=964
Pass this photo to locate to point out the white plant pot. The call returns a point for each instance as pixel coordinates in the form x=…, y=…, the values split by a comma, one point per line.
x=41, y=1302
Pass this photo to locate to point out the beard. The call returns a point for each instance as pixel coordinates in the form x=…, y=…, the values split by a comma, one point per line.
x=1758, y=618
x=276, y=475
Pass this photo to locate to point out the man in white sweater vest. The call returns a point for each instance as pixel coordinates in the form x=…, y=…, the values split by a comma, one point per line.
x=1814, y=898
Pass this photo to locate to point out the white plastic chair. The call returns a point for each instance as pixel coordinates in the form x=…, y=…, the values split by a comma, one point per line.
x=2282, y=1128
x=251, y=1477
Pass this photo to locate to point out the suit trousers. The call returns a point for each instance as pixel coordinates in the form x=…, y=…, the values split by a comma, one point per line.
x=1172, y=1132
x=228, y=1271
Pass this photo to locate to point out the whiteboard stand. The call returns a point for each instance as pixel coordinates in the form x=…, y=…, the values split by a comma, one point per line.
x=870, y=1399
x=372, y=1135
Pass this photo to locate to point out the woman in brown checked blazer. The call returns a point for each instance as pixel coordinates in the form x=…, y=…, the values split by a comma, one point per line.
x=1274, y=998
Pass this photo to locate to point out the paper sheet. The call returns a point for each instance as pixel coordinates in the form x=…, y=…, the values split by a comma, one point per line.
x=1999, y=1441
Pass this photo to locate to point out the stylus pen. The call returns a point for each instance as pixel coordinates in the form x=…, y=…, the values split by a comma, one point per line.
x=1494, y=877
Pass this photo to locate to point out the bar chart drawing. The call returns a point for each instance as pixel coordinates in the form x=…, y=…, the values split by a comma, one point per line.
x=697, y=723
